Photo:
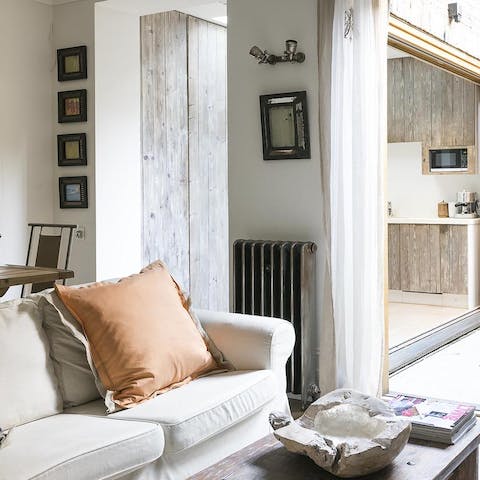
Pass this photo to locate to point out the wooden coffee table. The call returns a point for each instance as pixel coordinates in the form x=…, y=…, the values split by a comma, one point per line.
x=267, y=459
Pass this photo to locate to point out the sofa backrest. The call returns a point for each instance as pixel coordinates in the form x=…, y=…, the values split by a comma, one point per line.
x=28, y=385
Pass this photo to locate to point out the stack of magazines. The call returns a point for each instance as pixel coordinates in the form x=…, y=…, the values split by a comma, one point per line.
x=435, y=420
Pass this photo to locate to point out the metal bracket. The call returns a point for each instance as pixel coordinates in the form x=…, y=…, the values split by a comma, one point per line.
x=348, y=23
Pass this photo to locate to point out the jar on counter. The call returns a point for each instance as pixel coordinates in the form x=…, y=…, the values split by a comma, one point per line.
x=443, y=209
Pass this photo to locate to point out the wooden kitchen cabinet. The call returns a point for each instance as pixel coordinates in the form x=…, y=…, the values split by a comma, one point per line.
x=454, y=259
x=394, y=282
x=420, y=258
x=429, y=105
x=430, y=258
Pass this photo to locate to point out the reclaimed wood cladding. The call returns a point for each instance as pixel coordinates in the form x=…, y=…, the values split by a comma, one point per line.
x=454, y=259
x=420, y=258
x=207, y=81
x=394, y=263
x=184, y=153
x=428, y=258
x=429, y=105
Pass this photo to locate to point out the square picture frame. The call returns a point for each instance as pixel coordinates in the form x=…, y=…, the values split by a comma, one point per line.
x=72, y=63
x=72, y=149
x=73, y=192
x=285, y=129
x=72, y=106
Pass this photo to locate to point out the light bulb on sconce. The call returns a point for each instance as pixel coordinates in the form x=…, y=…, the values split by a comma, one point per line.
x=262, y=56
x=289, y=55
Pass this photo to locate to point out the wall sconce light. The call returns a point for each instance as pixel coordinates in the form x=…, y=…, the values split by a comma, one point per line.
x=289, y=55
x=454, y=12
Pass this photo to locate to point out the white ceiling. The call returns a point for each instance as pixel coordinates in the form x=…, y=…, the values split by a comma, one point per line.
x=206, y=9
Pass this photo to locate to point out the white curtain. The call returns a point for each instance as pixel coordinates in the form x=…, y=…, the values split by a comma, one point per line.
x=353, y=148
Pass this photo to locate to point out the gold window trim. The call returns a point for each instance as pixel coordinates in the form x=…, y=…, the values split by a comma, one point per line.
x=415, y=41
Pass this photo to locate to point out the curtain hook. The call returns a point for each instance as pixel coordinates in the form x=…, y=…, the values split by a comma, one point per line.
x=348, y=23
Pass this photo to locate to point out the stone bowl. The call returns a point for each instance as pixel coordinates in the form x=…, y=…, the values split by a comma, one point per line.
x=345, y=432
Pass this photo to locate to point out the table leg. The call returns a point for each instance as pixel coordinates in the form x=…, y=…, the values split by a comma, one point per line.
x=468, y=469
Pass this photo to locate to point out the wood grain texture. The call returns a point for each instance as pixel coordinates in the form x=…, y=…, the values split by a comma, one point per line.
x=185, y=153
x=429, y=105
x=454, y=259
x=165, y=142
x=11, y=275
x=394, y=279
x=208, y=164
x=396, y=101
x=469, y=468
x=267, y=459
x=420, y=258
x=422, y=101
x=470, y=105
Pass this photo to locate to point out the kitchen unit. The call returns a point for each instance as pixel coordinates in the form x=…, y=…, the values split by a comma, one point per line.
x=436, y=108
x=434, y=261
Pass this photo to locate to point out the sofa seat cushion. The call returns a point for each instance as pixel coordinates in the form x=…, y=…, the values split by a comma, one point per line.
x=205, y=407
x=201, y=409
x=78, y=447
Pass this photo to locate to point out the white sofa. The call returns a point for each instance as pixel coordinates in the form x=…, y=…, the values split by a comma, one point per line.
x=170, y=437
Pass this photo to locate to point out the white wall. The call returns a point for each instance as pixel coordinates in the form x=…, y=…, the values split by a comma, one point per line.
x=271, y=199
x=415, y=195
x=74, y=25
x=117, y=124
x=26, y=147
x=432, y=16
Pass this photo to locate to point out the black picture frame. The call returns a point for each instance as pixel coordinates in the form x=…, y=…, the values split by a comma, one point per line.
x=72, y=149
x=73, y=192
x=285, y=138
x=72, y=106
x=72, y=63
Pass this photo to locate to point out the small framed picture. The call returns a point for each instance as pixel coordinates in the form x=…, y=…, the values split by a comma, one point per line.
x=73, y=192
x=72, y=149
x=72, y=63
x=72, y=106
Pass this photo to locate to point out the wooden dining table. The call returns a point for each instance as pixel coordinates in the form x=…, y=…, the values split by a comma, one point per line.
x=11, y=275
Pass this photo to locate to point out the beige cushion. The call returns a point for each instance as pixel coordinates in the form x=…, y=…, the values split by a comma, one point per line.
x=28, y=387
x=142, y=338
x=69, y=350
x=75, y=447
x=202, y=409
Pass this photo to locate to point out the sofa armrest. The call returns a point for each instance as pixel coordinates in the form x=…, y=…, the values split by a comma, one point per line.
x=253, y=343
x=249, y=342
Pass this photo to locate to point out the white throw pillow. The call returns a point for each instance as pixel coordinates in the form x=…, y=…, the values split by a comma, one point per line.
x=28, y=387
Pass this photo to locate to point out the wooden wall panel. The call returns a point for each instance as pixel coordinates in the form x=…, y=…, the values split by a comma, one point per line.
x=185, y=153
x=165, y=142
x=207, y=80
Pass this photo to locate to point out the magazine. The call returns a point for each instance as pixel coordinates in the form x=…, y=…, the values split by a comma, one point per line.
x=438, y=420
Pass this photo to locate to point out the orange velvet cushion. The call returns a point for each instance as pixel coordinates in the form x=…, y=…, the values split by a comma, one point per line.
x=142, y=337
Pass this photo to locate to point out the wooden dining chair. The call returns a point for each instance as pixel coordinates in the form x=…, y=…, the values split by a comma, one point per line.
x=49, y=246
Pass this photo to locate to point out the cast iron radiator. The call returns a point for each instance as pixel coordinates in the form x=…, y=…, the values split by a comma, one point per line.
x=277, y=279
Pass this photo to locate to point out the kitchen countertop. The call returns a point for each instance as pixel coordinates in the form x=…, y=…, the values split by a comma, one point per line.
x=435, y=221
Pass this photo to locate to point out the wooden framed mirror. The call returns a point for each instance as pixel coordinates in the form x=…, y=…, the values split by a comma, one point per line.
x=285, y=126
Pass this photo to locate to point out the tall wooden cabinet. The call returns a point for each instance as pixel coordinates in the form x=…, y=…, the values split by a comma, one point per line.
x=428, y=258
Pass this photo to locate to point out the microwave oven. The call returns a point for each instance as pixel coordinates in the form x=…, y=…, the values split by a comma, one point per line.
x=449, y=159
